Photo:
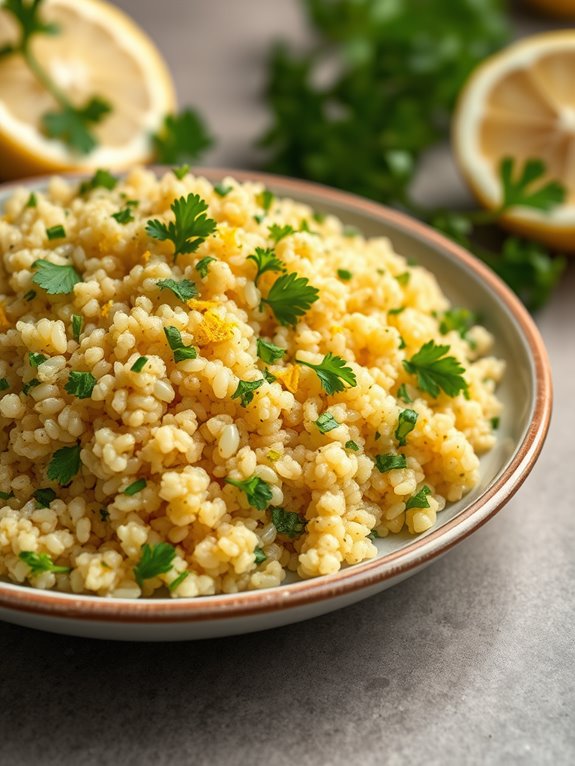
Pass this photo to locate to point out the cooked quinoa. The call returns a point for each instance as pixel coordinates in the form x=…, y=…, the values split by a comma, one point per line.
x=157, y=442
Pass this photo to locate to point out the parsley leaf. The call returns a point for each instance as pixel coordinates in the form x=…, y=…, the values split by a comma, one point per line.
x=30, y=295
x=390, y=462
x=135, y=487
x=268, y=352
x=257, y=491
x=222, y=190
x=44, y=496
x=185, y=289
x=77, y=326
x=154, y=560
x=352, y=446
x=326, y=422
x=266, y=199
x=290, y=297
x=72, y=125
x=277, y=232
x=403, y=394
x=139, y=364
x=32, y=201
x=344, y=274
x=40, y=563
x=36, y=359
x=287, y=523
x=404, y=278
x=419, y=500
x=203, y=265
x=265, y=260
x=124, y=216
x=435, y=371
x=56, y=280
x=495, y=423
x=101, y=179
x=181, y=172
x=190, y=227
x=182, y=138
x=29, y=385
x=259, y=555
x=4, y=385
x=56, y=232
x=245, y=390
x=332, y=372
x=524, y=191
x=181, y=352
x=80, y=384
x=64, y=465
x=405, y=425
x=268, y=376
x=460, y=320
x=6, y=495
x=175, y=584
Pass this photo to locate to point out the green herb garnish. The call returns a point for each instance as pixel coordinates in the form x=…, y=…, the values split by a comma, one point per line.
x=527, y=189
x=139, y=364
x=178, y=581
x=268, y=375
x=32, y=200
x=40, y=563
x=30, y=295
x=257, y=491
x=4, y=385
x=102, y=179
x=394, y=312
x=266, y=199
x=352, y=446
x=124, y=216
x=435, y=371
x=344, y=274
x=181, y=172
x=190, y=226
x=386, y=463
x=419, y=500
x=495, y=423
x=80, y=384
x=287, y=523
x=44, y=496
x=332, y=372
x=259, y=556
x=290, y=297
x=277, y=232
x=56, y=232
x=77, y=326
x=203, y=265
x=403, y=394
x=459, y=320
x=154, y=560
x=326, y=422
x=36, y=359
x=404, y=278
x=268, y=352
x=56, y=280
x=185, y=289
x=65, y=464
x=135, y=487
x=265, y=260
x=181, y=352
x=245, y=390
x=405, y=425
x=26, y=387
x=6, y=495
x=182, y=138
x=222, y=190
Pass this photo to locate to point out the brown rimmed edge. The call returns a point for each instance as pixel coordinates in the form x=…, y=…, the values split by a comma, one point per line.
x=412, y=556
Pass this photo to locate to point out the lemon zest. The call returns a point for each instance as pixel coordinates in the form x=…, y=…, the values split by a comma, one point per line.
x=289, y=376
x=106, y=308
x=213, y=329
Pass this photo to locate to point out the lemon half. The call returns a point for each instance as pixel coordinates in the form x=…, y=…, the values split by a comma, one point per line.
x=99, y=51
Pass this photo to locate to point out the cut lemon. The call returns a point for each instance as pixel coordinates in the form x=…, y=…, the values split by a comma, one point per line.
x=560, y=8
x=98, y=51
x=520, y=103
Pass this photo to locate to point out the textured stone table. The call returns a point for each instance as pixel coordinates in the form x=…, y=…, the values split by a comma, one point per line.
x=470, y=662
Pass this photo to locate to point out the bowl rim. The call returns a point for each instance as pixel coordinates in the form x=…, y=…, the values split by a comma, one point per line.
x=422, y=550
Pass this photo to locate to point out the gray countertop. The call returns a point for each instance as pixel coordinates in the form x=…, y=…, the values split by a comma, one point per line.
x=470, y=662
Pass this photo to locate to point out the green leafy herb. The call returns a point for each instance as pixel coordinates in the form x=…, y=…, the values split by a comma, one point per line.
x=287, y=523
x=139, y=364
x=268, y=352
x=394, y=312
x=377, y=436
x=181, y=352
x=77, y=326
x=64, y=465
x=386, y=463
x=26, y=387
x=44, y=496
x=265, y=260
x=80, y=384
x=185, y=289
x=222, y=190
x=181, y=172
x=4, y=385
x=30, y=295
x=40, y=563
x=189, y=228
x=290, y=297
x=527, y=189
x=124, y=216
x=36, y=359
x=268, y=376
x=245, y=390
x=257, y=491
x=373, y=535
x=203, y=265
x=104, y=514
x=352, y=446
x=404, y=278
x=101, y=179
x=277, y=232
x=435, y=371
x=403, y=394
x=259, y=556
x=73, y=125
x=6, y=495
x=182, y=138
x=56, y=280
x=405, y=425
x=56, y=232
x=135, y=487
x=32, y=200
x=344, y=274
x=175, y=584
x=402, y=343
x=332, y=372
x=459, y=320
x=419, y=500
x=154, y=560
x=495, y=423
x=326, y=422
x=266, y=199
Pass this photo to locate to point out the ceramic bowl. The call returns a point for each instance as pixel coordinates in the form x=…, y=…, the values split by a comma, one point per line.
x=526, y=394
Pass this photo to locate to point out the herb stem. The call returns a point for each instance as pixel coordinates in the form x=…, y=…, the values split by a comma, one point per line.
x=43, y=77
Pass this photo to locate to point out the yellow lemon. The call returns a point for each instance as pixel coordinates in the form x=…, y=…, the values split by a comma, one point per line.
x=520, y=103
x=98, y=51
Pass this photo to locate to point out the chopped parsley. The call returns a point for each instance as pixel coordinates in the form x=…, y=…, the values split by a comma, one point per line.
x=203, y=265
x=403, y=394
x=352, y=446
x=139, y=364
x=419, y=500
x=268, y=375
x=40, y=563
x=135, y=487
x=6, y=495
x=154, y=560
x=181, y=352
x=80, y=384
x=326, y=422
x=4, y=385
x=405, y=425
x=290, y=297
x=402, y=343
x=287, y=523
x=182, y=137
x=319, y=217
x=185, y=289
x=435, y=371
x=178, y=581
x=36, y=359
x=64, y=465
x=44, y=496
x=56, y=232
x=268, y=352
x=404, y=278
x=30, y=295
x=32, y=201
x=495, y=423
x=394, y=312
x=257, y=491
x=386, y=463
x=344, y=274
x=459, y=320
x=245, y=390
x=265, y=260
x=351, y=231
x=332, y=372
x=181, y=171
x=104, y=514
x=190, y=227
x=124, y=216
x=520, y=192
x=259, y=555
x=101, y=179
x=56, y=280
x=26, y=387
x=373, y=535
x=277, y=232
x=77, y=326
x=266, y=199
x=222, y=190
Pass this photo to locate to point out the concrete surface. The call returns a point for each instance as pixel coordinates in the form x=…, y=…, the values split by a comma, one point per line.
x=470, y=662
